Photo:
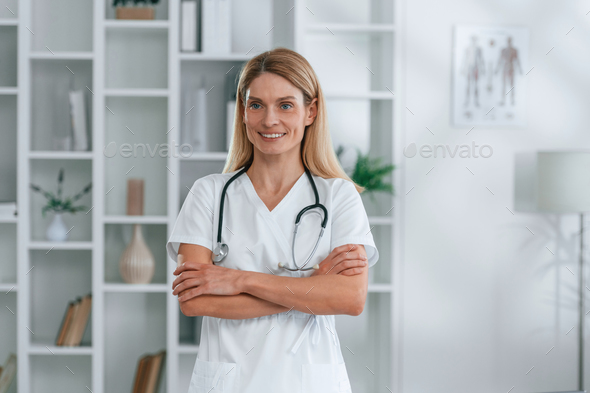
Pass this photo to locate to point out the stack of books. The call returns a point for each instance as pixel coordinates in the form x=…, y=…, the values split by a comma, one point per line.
x=149, y=372
x=205, y=28
x=7, y=373
x=74, y=322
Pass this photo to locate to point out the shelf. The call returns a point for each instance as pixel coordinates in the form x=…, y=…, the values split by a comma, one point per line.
x=136, y=24
x=49, y=99
x=67, y=245
x=5, y=91
x=57, y=55
x=136, y=288
x=370, y=95
x=8, y=287
x=206, y=156
x=136, y=92
x=380, y=288
x=8, y=22
x=56, y=279
x=188, y=349
x=136, y=59
x=135, y=220
x=200, y=56
x=39, y=349
x=377, y=220
x=8, y=220
x=116, y=240
x=61, y=155
x=350, y=28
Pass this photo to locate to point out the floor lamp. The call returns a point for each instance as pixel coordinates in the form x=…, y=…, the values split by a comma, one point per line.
x=563, y=186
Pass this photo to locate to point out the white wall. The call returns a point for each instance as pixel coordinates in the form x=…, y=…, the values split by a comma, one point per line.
x=484, y=300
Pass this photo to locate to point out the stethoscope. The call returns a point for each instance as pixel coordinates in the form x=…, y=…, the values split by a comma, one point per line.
x=221, y=249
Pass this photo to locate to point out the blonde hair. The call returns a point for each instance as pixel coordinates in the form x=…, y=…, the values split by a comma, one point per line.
x=317, y=152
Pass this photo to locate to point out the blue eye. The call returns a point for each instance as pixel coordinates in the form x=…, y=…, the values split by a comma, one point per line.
x=287, y=104
x=253, y=105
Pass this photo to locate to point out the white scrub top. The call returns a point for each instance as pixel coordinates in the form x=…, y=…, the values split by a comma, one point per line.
x=286, y=352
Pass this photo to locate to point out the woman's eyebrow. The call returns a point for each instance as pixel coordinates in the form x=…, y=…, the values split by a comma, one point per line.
x=278, y=99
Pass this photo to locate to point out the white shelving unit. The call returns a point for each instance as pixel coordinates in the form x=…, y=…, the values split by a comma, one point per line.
x=134, y=76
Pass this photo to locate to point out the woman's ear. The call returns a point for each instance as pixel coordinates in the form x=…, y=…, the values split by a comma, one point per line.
x=313, y=112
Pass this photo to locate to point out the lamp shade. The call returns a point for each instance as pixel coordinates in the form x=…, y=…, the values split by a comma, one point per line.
x=563, y=181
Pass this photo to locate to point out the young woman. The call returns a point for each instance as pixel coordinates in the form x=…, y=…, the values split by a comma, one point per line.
x=268, y=308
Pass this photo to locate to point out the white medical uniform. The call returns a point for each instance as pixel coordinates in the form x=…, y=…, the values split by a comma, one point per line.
x=285, y=352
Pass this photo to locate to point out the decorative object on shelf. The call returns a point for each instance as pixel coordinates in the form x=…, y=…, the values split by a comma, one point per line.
x=189, y=30
x=369, y=172
x=216, y=25
x=61, y=110
x=78, y=119
x=194, y=124
x=137, y=263
x=137, y=11
x=230, y=106
x=57, y=230
x=8, y=373
x=8, y=209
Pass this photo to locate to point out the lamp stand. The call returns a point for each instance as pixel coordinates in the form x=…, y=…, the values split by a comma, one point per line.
x=582, y=309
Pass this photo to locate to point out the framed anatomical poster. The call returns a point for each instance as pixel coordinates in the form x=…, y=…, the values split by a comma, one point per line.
x=490, y=68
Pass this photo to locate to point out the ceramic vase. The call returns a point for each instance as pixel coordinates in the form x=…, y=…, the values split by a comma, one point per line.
x=137, y=264
x=57, y=231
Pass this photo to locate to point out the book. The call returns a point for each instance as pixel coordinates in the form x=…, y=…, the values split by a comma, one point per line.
x=65, y=322
x=189, y=13
x=81, y=320
x=78, y=117
x=154, y=372
x=216, y=26
x=74, y=322
x=140, y=374
x=8, y=373
x=148, y=374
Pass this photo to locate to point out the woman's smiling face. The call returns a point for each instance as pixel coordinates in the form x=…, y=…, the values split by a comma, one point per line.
x=275, y=114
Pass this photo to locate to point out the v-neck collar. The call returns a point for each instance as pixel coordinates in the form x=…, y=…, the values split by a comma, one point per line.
x=261, y=205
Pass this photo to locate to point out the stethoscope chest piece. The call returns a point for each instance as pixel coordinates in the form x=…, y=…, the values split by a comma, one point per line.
x=220, y=252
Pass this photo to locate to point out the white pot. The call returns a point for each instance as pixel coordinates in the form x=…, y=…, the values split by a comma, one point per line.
x=57, y=230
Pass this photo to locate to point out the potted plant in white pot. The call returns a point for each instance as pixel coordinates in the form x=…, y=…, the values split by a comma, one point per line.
x=140, y=9
x=57, y=229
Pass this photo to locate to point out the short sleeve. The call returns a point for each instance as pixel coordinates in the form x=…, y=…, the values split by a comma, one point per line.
x=194, y=223
x=350, y=224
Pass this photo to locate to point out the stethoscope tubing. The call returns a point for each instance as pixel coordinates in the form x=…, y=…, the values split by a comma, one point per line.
x=222, y=249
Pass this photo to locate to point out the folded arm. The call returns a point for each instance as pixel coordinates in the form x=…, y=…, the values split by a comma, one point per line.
x=338, y=287
x=241, y=306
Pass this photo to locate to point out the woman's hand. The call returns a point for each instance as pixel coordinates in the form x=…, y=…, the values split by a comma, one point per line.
x=348, y=260
x=206, y=279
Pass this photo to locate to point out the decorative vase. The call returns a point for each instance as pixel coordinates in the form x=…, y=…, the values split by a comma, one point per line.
x=137, y=262
x=57, y=230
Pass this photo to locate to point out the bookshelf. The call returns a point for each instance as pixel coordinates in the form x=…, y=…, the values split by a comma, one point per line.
x=135, y=77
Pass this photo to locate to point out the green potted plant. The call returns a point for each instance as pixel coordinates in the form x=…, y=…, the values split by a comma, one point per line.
x=57, y=230
x=369, y=173
x=140, y=9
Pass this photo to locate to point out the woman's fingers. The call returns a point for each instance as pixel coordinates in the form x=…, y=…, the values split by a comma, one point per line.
x=185, y=276
x=188, y=283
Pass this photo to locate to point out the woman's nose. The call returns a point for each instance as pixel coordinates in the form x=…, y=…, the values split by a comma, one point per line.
x=271, y=117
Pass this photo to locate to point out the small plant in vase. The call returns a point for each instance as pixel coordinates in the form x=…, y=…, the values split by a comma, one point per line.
x=139, y=9
x=57, y=230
